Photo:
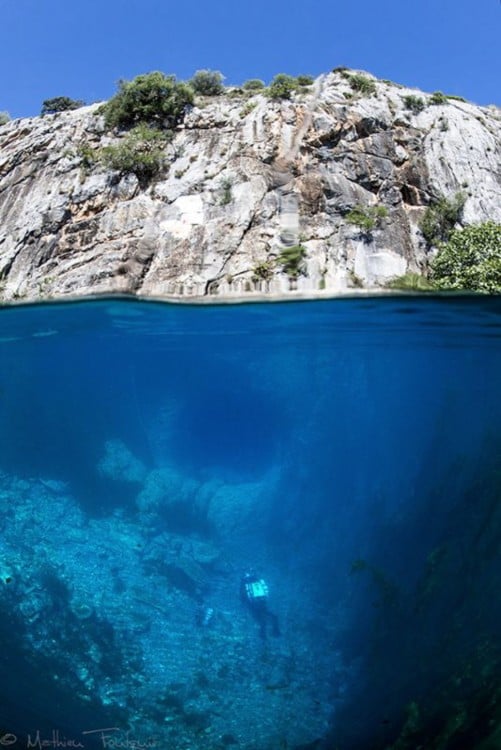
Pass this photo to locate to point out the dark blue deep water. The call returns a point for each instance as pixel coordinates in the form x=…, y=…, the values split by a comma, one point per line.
x=347, y=452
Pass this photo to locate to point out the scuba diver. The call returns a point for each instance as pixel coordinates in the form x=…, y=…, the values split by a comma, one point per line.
x=254, y=592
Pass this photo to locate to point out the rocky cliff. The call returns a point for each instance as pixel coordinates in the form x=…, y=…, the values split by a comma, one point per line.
x=243, y=179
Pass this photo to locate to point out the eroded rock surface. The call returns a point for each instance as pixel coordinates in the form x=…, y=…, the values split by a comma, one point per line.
x=242, y=179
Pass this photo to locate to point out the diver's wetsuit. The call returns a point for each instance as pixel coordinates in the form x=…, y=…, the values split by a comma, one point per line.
x=254, y=592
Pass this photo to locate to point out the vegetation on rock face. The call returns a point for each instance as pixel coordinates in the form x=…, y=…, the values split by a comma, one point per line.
x=411, y=282
x=367, y=218
x=4, y=118
x=304, y=80
x=362, y=84
x=455, y=98
x=60, y=104
x=291, y=260
x=226, y=195
x=441, y=217
x=247, y=108
x=88, y=156
x=415, y=103
x=140, y=153
x=438, y=98
x=471, y=259
x=282, y=87
x=208, y=82
x=153, y=98
x=253, y=84
x=262, y=271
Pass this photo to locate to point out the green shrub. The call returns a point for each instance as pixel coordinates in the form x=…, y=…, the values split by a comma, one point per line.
x=367, y=218
x=282, y=86
x=262, y=271
x=411, y=281
x=88, y=155
x=304, y=80
x=208, y=82
x=415, y=103
x=235, y=93
x=362, y=84
x=60, y=104
x=247, y=109
x=354, y=280
x=291, y=260
x=440, y=218
x=471, y=259
x=253, y=84
x=456, y=98
x=340, y=69
x=438, y=98
x=140, y=152
x=225, y=187
x=4, y=118
x=152, y=98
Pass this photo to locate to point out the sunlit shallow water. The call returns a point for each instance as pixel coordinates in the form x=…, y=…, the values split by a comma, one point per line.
x=346, y=451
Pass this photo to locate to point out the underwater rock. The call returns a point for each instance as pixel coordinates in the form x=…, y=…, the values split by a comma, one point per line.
x=183, y=560
x=81, y=610
x=236, y=509
x=187, y=575
x=119, y=463
x=165, y=487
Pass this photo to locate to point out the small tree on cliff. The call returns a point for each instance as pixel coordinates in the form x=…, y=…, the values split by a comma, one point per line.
x=282, y=86
x=471, y=259
x=60, y=104
x=153, y=99
x=208, y=82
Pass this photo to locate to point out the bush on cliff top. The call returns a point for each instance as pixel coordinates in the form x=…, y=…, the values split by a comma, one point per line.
x=153, y=98
x=60, y=104
x=253, y=84
x=361, y=84
x=282, y=86
x=208, y=82
x=415, y=103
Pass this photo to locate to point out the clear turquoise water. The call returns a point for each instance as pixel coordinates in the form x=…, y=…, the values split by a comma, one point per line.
x=346, y=450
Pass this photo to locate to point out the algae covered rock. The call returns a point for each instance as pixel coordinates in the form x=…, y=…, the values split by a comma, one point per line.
x=237, y=509
x=120, y=463
x=165, y=487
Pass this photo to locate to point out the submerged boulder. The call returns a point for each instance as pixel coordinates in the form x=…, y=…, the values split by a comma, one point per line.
x=165, y=487
x=119, y=463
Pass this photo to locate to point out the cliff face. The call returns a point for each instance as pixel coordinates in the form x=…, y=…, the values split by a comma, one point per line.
x=243, y=179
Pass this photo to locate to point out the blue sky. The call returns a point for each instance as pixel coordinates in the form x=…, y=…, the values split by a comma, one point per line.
x=80, y=49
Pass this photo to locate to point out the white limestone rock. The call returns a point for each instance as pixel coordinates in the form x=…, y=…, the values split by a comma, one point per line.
x=243, y=178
